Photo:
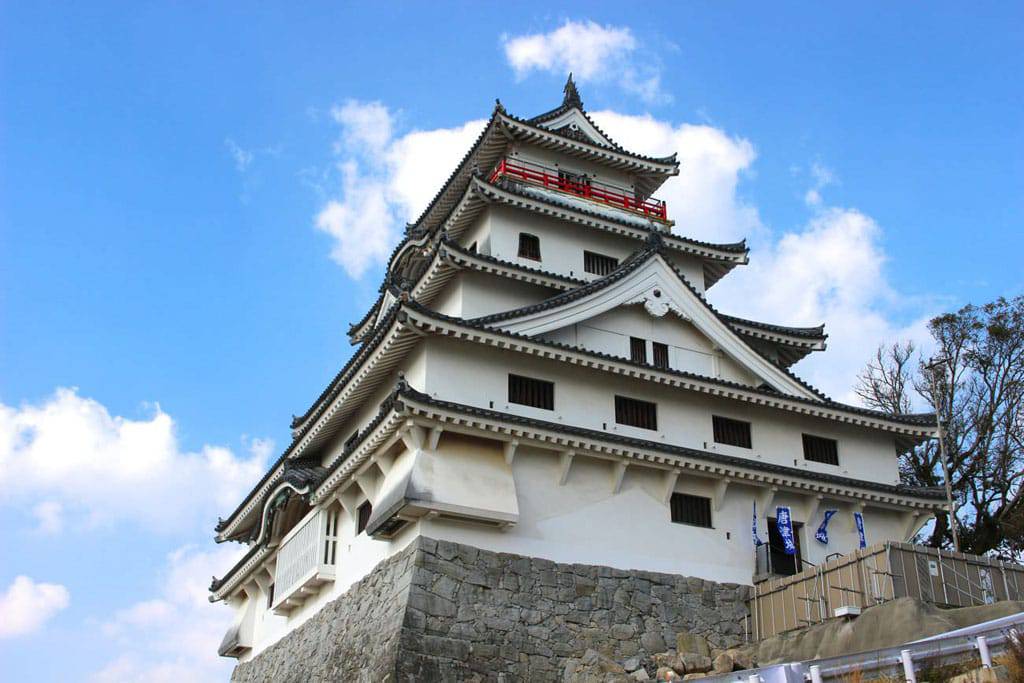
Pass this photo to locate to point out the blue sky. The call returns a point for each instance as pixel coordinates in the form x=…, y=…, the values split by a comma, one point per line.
x=194, y=203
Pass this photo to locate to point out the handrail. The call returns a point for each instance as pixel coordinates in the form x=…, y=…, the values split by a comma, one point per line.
x=597, y=191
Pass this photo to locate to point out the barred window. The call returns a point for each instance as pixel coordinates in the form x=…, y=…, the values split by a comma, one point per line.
x=731, y=432
x=363, y=516
x=528, y=391
x=820, y=449
x=687, y=509
x=599, y=264
x=636, y=413
x=637, y=350
x=660, y=355
x=529, y=246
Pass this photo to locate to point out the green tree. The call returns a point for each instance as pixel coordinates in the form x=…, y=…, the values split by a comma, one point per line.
x=978, y=387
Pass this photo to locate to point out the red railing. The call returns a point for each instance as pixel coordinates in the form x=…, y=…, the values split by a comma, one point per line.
x=575, y=184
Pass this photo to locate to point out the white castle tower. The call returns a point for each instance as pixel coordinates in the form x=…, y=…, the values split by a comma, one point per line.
x=542, y=377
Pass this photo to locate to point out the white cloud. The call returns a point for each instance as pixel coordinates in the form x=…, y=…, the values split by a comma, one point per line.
x=593, y=53
x=703, y=199
x=243, y=157
x=173, y=637
x=26, y=605
x=385, y=181
x=70, y=452
x=831, y=270
x=49, y=515
x=822, y=177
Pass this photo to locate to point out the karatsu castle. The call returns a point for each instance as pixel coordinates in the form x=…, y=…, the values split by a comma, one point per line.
x=542, y=390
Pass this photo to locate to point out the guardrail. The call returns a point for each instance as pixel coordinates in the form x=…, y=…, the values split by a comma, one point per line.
x=579, y=185
x=986, y=640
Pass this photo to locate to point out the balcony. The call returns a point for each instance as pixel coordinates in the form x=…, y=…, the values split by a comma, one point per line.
x=580, y=186
x=305, y=560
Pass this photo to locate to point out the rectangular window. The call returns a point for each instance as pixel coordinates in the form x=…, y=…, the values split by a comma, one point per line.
x=527, y=391
x=270, y=596
x=363, y=516
x=660, y=355
x=599, y=264
x=529, y=246
x=731, y=432
x=820, y=449
x=636, y=413
x=637, y=350
x=687, y=509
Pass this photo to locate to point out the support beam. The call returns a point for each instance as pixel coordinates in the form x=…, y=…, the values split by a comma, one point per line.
x=369, y=482
x=413, y=436
x=912, y=523
x=564, y=463
x=718, y=497
x=435, y=437
x=510, y=450
x=618, y=473
x=812, y=503
x=385, y=461
x=764, y=501
x=669, y=478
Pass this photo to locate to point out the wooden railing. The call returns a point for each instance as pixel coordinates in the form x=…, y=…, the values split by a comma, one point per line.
x=305, y=559
x=581, y=186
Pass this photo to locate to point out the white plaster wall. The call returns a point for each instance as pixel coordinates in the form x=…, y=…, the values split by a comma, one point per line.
x=689, y=350
x=583, y=521
x=469, y=373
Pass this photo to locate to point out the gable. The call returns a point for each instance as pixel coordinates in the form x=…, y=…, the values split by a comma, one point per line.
x=574, y=124
x=658, y=291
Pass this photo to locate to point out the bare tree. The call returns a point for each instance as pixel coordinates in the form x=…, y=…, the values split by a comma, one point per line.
x=981, y=399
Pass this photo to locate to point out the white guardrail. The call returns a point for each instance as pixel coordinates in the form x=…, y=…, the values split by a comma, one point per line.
x=987, y=640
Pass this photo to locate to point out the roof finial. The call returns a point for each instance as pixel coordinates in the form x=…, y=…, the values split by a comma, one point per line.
x=572, y=95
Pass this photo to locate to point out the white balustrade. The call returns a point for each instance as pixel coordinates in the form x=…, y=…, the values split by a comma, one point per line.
x=305, y=559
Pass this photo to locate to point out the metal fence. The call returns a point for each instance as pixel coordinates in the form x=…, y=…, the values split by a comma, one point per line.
x=878, y=574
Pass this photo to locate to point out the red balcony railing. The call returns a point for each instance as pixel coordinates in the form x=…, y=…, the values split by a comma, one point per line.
x=579, y=185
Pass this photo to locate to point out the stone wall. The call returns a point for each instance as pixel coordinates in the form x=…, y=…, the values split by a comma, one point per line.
x=353, y=638
x=441, y=611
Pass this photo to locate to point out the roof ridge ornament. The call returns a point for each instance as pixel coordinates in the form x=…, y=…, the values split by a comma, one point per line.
x=572, y=95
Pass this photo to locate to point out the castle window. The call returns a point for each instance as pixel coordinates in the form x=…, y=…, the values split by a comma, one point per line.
x=731, y=432
x=270, y=596
x=351, y=441
x=693, y=510
x=529, y=246
x=820, y=449
x=660, y=355
x=637, y=350
x=363, y=516
x=633, y=412
x=599, y=264
x=527, y=391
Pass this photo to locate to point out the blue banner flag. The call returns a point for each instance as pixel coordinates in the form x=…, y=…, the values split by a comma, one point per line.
x=784, y=524
x=753, y=528
x=822, y=533
x=859, y=519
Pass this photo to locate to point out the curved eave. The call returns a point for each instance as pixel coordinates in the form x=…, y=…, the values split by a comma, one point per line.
x=725, y=257
x=559, y=436
x=357, y=379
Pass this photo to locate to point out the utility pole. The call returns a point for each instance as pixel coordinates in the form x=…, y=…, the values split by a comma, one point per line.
x=939, y=399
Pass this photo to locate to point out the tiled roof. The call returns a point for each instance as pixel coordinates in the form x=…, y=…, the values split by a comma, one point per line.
x=627, y=267
x=909, y=419
x=817, y=332
x=662, y=447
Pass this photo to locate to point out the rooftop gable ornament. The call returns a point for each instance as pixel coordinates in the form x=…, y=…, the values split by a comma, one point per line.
x=572, y=95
